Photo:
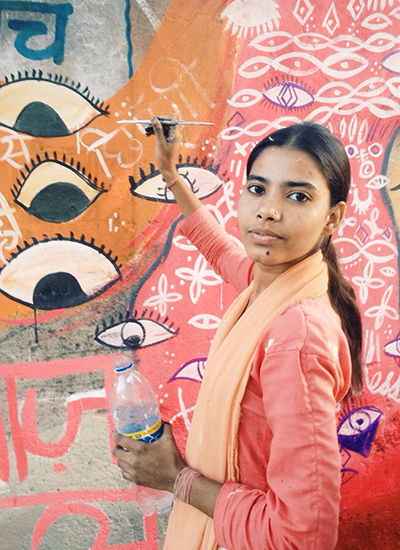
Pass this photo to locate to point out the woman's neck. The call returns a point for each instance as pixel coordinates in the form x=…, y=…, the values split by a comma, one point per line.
x=264, y=276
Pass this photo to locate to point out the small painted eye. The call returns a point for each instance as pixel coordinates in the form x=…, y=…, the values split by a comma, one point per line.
x=245, y=98
x=376, y=22
x=392, y=348
x=202, y=179
x=135, y=333
x=46, y=107
x=58, y=273
x=392, y=62
x=356, y=432
x=54, y=191
x=192, y=370
x=289, y=95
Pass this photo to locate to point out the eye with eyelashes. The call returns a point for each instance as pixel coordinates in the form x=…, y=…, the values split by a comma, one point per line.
x=288, y=95
x=46, y=106
x=58, y=272
x=55, y=191
x=203, y=179
x=134, y=332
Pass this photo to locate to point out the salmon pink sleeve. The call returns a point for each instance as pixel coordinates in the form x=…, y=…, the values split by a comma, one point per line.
x=226, y=258
x=300, y=508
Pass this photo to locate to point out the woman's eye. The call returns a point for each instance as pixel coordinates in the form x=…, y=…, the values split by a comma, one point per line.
x=256, y=189
x=299, y=197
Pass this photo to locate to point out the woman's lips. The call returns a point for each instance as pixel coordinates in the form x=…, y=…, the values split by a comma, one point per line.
x=263, y=238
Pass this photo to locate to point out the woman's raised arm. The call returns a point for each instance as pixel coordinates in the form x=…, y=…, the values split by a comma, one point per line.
x=166, y=154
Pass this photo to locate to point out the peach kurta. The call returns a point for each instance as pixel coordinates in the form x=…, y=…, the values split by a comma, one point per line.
x=288, y=493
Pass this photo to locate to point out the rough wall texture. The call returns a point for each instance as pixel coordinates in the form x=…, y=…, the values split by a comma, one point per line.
x=92, y=265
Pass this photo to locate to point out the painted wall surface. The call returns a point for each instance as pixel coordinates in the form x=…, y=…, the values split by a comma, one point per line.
x=92, y=264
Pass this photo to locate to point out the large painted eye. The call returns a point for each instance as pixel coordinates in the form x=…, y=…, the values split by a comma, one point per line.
x=289, y=95
x=136, y=332
x=54, y=191
x=46, y=107
x=58, y=273
x=356, y=432
x=202, y=179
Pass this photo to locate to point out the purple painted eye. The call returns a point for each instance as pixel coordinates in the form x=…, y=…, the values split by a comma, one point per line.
x=392, y=62
x=356, y=432
x=393, y=349
x=289, y=95
x=192, y=370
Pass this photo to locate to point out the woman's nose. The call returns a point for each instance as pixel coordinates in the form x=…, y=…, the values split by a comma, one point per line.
x=269, y=211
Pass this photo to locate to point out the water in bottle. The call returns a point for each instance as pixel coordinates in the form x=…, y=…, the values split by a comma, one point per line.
x=135, y=413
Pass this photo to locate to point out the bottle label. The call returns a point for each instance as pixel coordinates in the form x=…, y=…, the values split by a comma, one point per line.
x=149, y=435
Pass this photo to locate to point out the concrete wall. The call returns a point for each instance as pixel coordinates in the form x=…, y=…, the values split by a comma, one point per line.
x=92, y=264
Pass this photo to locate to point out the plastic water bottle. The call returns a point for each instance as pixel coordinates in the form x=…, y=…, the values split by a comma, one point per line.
x=135, y=413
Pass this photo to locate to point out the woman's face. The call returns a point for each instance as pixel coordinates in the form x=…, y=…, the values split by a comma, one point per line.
x=284, y=211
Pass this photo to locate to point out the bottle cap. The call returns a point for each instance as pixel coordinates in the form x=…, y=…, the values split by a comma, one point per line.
x=122, y=364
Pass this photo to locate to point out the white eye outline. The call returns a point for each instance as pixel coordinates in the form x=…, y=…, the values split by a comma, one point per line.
x=93, y=269
x=191, y=370
x=349, y=432
x=202, y=179
x=246, y=92
x=376, y=26
x=25, y=190
x=72, y=117
x=283, y=87
x=140, y=328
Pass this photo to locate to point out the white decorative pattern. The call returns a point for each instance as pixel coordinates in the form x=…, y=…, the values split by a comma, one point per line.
x=356, y=7
x=303, y=10
x=163, y=297
x=331, y=22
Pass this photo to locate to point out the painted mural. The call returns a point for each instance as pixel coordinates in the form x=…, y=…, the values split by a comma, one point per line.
x=92, y=264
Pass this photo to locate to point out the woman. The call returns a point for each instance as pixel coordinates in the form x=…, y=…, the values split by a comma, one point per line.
x=262, y=457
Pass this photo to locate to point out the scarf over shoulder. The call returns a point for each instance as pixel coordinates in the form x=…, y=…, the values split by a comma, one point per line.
x=212, y=446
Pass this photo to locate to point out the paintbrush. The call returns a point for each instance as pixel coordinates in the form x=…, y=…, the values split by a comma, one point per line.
x=166, y=123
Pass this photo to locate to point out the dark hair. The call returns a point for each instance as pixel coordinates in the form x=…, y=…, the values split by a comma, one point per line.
x=331, y=158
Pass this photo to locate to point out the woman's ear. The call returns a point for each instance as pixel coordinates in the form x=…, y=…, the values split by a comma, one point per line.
x=334, y=218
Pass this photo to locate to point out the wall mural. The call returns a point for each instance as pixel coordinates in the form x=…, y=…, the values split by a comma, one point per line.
x=92, y=264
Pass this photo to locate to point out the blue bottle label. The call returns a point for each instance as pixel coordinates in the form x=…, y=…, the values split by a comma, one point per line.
x=148, y=436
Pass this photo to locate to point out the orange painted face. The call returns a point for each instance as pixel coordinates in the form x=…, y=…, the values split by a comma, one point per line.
x=85, y=215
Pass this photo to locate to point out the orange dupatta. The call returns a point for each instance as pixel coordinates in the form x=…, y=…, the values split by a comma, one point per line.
x=212, y=445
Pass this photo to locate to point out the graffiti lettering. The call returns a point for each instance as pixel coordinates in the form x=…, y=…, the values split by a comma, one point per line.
x=8, y=237
x=26, y=29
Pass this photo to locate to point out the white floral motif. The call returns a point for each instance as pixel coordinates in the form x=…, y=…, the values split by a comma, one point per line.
x=383, y=310
x=163, y=297
x=366, y=282
x=198, y=276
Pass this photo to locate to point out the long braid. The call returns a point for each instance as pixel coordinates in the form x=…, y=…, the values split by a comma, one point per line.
x=343, y=300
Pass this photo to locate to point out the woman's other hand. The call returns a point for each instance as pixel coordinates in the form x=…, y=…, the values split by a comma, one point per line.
x=167, y=150
x=154, y=465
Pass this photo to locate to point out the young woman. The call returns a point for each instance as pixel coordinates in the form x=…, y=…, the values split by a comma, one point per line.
x=262, y=458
